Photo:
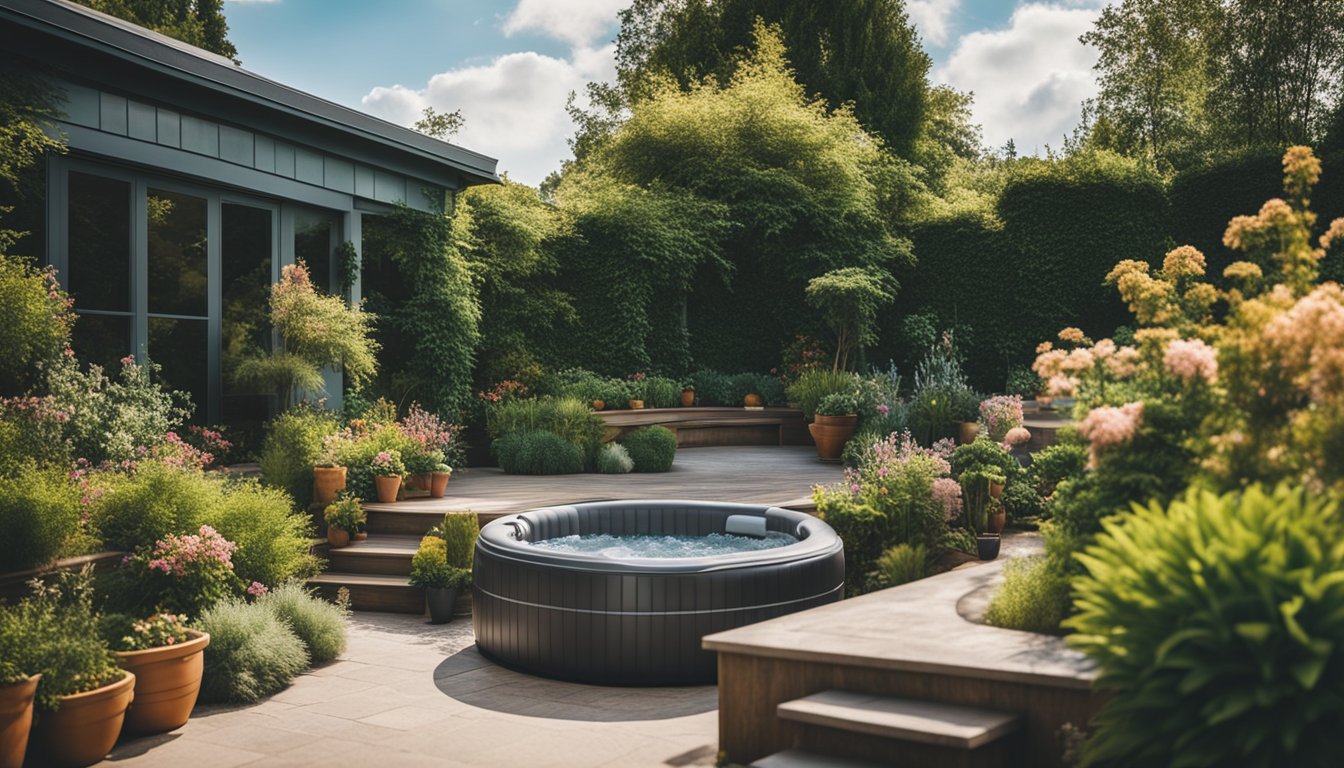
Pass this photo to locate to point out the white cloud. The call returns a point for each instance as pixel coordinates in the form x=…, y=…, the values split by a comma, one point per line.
x=513, y=107
x=1029, y=79
x=932, y=18
x=577, y=22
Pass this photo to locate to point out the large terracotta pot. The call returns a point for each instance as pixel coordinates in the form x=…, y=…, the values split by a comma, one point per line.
x=337, y=537
x=752, y=400
x=635, y=405
x=996, y=520
x=830, y=433
x=996, y=490
x=687, y=398
x=327, y=482
x=167, y=680
x=85, y=728
x=441, y=601
x=438, y=484
x=16, y=718
x=387, y=488
x=967, y=432
x=418, y=482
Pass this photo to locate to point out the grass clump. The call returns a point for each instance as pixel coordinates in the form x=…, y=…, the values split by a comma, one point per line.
x=651, y=449
x=614, y=459
x=1034, y=597
x=253, y=653
x=902, y=564
x=538, y=453
x=320, y=625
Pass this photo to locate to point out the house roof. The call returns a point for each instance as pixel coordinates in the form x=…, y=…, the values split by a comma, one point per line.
x=195, y=67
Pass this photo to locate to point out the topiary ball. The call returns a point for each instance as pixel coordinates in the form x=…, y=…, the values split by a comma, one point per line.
x=652, y=449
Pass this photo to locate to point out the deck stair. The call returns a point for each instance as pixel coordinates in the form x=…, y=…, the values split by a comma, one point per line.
x=846, y=725
x=797, y=758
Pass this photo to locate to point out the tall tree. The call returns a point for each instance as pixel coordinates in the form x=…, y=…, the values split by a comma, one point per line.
x=863, y=52
x=196, y=22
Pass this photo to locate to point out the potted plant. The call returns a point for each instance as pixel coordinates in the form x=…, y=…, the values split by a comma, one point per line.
x=17, y=689
x=967, y=432
x=438, y=480
x=328, y=481
x=987, y=545
x=835, y=421
x=997, y=517
x=636, y=389
x=82, y=694
x=442, y=564
x=752, y=400
x=168, y=660
x=388, y=470
x=420, y=465
x=599, y=404
x=687, y=396
x=344, y=517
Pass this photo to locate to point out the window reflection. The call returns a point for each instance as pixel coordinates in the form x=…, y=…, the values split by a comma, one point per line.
x=245, y=250
x=177, y=253
x=313, y=244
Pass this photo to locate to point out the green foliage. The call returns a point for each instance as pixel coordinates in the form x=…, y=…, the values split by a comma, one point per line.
x=345, y=513
x=291, y=448
x=1022, y=502
x=838, y=404
x=200, y=23
x=253, y=653
x=429, y=565
x=902, y=564
x=652, y=449
x=357, y=450
x=1034, y=597
x=614, y=459
x=178, y=574
x=862, y=528
x=714, y=388
x=537, y=452
x=114, y=419
x=815, y=385
x=661, y=392
x=1056, y=464
x=319, y=625
x=39, y=512
x=849, y=299
x=1245, y=630
x=1023, y=383
x=55, y=632
x=445, y=556
x=34, y=322
x=459, y=531
x=152, y=503
x=942, y=396
x=272, y=538
x=570, y=418
x=984, y=454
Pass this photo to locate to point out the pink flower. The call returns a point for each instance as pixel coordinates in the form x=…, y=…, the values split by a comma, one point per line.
x=1192, y=360
x=1107, y=426
x=947, y=493
x=1016, y=436
x=257, y=589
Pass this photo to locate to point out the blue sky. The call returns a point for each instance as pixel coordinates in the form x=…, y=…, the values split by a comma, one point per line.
x=509, y=64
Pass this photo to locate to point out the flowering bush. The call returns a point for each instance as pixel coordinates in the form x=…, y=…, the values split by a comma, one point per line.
x=181, y=574
x=999, y=414
x=388, y=464
x=157, y=631
x=37, y=320
x=114, y=421
x=432, y=434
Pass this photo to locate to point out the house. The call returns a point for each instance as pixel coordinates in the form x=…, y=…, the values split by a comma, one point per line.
x=189, y=182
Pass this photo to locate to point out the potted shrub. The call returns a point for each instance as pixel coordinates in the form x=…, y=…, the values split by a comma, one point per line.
x=420, y=465
x=82, y=694
x=999, y=415
x=344, y=517
x=442, y=565
x=835, y=422
x=16, y=712
x=997, y=518
x=328, y=481
x=636, y=389
x=388, y=470
x=687, y=396
x=168, y=660
x=438, y=480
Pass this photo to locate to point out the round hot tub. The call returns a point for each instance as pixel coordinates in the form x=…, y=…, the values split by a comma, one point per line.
x=621, y=592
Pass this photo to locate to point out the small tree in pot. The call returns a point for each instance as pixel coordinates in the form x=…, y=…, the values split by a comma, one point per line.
x=442, y=564
x=835, y=422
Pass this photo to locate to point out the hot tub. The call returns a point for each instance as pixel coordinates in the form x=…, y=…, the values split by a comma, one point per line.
x=616, y=617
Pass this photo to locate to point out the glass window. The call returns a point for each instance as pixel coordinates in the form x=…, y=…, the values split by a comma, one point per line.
x=26, y=201
x=177, y=253
x=246, y=245
x=102, y=339
x=180, y=346
x=313, y=244
x=99, y=263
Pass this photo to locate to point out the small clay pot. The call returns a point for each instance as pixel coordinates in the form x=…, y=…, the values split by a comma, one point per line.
x=636, y=405
x=438, y=484
x=687, y=398
x=752, y=400
x=599, y=405
x=388, y=486
x=337, y=537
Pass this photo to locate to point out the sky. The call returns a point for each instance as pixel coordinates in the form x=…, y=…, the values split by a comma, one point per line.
x=509, y=65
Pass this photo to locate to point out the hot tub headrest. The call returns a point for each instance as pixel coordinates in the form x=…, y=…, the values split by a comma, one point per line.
x=746, y=525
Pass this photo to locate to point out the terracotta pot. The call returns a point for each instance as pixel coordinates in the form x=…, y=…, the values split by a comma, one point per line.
x=636, y=405
x=987, y=545
x=441, y=601
x=752, y=400
x=327, y=482
x=418, y=482
x=16, y=718
x=85, y=728
x=687, y=398
x=967, y=432
x=599, y=405
x=996, y=521
x=359, y=536
x=830, y=439
x=167, y=680
x=337, y=537
x=996, y=490
x=388, y=486
x=438, y=484
x=851, y=420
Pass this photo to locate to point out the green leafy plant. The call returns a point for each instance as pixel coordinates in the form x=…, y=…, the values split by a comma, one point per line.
x=320, y=625
x=272, y=538
x=662, y=392
x=445, y=555
x=345, y=513
x=429, y=565
x=388, y=464
x=292, y=447
x=1033, y=597
x=902, y=564
x=39, y=512
x=537, y=453
x=253, y=653
x=652, y=449
x=849, y=299
x=570, y=418
x=976, y=498
x=459, y=531
x=838, y=404
x=1232, y=605
x=35, y=320
x=714, y=388
x=614, y=459
x=124, y=633
x=152, y=503
x=814, y=385
x=983, y=454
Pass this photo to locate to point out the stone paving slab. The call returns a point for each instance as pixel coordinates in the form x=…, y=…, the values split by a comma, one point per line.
x=406, y=693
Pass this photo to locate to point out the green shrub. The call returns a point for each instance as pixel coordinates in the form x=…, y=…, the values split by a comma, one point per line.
x=114, y=418
x=862, y=528
x=291, y=448
x=253, y=653
x=1033, y=597
x=1021, y=501
x=152, y=503
x=901, y=564
x=320, y=625
x=55, y=632
x=1055, y=464
x=660, y=392
x=714, y=388
x=537, y=453
x=273, y=539
x=459, y=531
x=570, y=418
x=815, y=384
x=652, y=449
x=614, y=459
x=984, y=454
x=1231, y=606
x=39, y=510
x=34, y=322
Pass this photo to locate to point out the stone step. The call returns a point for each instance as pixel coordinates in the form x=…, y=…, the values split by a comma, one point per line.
x=797, y=758
x=381, y=553
x=923, y=722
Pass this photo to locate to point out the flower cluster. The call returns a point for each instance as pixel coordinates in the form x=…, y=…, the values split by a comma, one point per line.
x=175, y=554
x=256, y=589
x=183, y=574
x=1065, y=371
x=947, y=493
x=1109, y=426
x=1016, y=437
x=157, y=631
x=508, y=389
x=388, y=464
x=175, y=452
x=999, y=414
x=1192, y=360
x=427, y=429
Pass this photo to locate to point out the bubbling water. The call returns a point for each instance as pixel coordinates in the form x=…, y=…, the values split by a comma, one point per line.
x=626, y=547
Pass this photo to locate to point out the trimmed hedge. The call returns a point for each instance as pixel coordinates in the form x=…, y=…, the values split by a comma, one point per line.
x=652, y=449
x=538, y=453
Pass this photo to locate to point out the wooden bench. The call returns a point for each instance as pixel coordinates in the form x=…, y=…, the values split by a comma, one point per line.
x=716, y=426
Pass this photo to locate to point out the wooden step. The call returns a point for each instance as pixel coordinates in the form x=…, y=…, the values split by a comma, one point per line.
x=924, y=722
x=797, y=758
x=372, y=592
x=381, y=553
x=411, y=519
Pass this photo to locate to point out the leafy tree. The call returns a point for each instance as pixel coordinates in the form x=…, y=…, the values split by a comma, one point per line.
x=440, y=125
x=849, y=298
x=197, y=22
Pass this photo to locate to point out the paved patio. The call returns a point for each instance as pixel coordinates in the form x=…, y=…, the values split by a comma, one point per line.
x=406, y=693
